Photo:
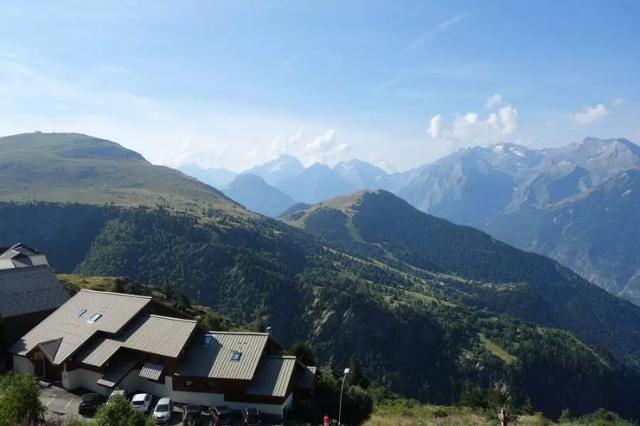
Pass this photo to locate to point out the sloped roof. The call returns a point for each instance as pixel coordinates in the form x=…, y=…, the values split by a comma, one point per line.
x=273, y=376
x=70, y=322
x=27, y=290
x=214, y=360
x=20, y=255
x=164, y=336
x=117, y=371
x=151, y=371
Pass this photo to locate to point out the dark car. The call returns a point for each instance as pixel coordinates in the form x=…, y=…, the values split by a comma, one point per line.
x=222, y=416
x=251, y=417
x=190, y=414
x=89, y=403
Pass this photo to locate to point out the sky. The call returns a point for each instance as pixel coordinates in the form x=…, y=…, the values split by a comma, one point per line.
x=397, y=83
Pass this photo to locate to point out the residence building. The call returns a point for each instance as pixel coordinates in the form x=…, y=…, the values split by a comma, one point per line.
x=27, y=296
x=102, y=341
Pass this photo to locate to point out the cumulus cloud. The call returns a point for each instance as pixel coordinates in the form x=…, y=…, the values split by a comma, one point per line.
x=325, y=149
x=435, y=126
x=309, y=148
x=471, y=128
x=591, y=114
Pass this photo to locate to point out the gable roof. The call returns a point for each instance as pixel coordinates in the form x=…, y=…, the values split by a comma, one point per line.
x=159, y=335
x=28, y=290
x=273, y=376
x=20, y=255
x=71, y=322
x=214, y=360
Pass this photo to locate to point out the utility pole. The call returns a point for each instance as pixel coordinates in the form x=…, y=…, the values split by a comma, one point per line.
x=346, y=371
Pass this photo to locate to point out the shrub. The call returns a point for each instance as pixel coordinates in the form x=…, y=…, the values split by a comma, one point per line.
x=19, y=402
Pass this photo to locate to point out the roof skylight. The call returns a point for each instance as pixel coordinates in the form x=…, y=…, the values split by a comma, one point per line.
x=95, y=317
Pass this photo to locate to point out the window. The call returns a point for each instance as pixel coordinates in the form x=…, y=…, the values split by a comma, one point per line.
x=79, y=312
x=94, y=318
x=207, y=340
x=235, y=356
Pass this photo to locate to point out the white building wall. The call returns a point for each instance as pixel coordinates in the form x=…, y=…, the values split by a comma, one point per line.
x=86, y=379
x=23, y=365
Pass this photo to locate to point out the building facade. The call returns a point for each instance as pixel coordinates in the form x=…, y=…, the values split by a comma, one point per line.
x=103, y=341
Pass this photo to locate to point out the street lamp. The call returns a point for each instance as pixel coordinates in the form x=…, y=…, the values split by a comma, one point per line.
x=346, y=371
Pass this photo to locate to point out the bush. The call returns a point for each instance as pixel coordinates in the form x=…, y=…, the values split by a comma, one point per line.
x=357, y=405
x=19, y=402
x=118, y=412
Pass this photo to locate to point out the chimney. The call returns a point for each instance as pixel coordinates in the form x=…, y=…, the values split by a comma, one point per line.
x=268, y=330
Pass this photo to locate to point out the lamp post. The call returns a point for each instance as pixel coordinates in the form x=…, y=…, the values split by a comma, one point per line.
x=346, y=371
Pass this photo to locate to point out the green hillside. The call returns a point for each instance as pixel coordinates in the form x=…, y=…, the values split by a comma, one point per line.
x=424, y=324
x=70, y=167
x=488, y=273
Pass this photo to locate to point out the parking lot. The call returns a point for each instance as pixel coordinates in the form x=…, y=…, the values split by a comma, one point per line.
x=62, y=404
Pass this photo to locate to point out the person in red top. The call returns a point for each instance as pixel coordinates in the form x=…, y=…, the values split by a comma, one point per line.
x=325, y=421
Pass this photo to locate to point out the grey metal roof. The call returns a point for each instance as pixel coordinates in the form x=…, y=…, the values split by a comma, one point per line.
x=151, y=371
x=20, y=255
x=214, y=360
x=164, y=336
x=27, y=290
x=273, y=376
x=70, y=321
x=117, y=371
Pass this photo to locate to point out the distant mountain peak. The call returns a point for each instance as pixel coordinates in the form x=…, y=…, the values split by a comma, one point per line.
x=277, y=169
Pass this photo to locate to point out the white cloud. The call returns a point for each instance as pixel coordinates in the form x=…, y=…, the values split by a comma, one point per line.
x=591, y=114
x=493, y=101
x=324, y=149
x=618, y=102
x=472, y=129
x=435, y=126
x=509, y=119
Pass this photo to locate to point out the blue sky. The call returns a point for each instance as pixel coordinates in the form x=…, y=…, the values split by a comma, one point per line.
x=398, y=83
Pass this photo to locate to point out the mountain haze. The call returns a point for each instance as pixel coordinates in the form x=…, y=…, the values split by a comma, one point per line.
x=568, y=203
x=258, y=196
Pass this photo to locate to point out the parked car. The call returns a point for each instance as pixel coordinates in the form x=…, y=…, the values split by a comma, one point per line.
x=190, y=414
x=119, y=392
x=251, y=417
x=164, y=409
x=89, y=403
x=222, y=416
x=141, y=402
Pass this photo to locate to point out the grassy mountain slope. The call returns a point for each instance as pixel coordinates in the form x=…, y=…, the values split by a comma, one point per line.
x=505, y=279
x=70, y=167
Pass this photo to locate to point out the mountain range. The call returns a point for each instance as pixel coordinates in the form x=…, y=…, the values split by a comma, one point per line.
x=578, y=204
x=430, y=308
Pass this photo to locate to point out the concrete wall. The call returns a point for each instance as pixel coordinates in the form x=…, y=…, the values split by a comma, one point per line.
x=85, y=379
x=23, y=365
